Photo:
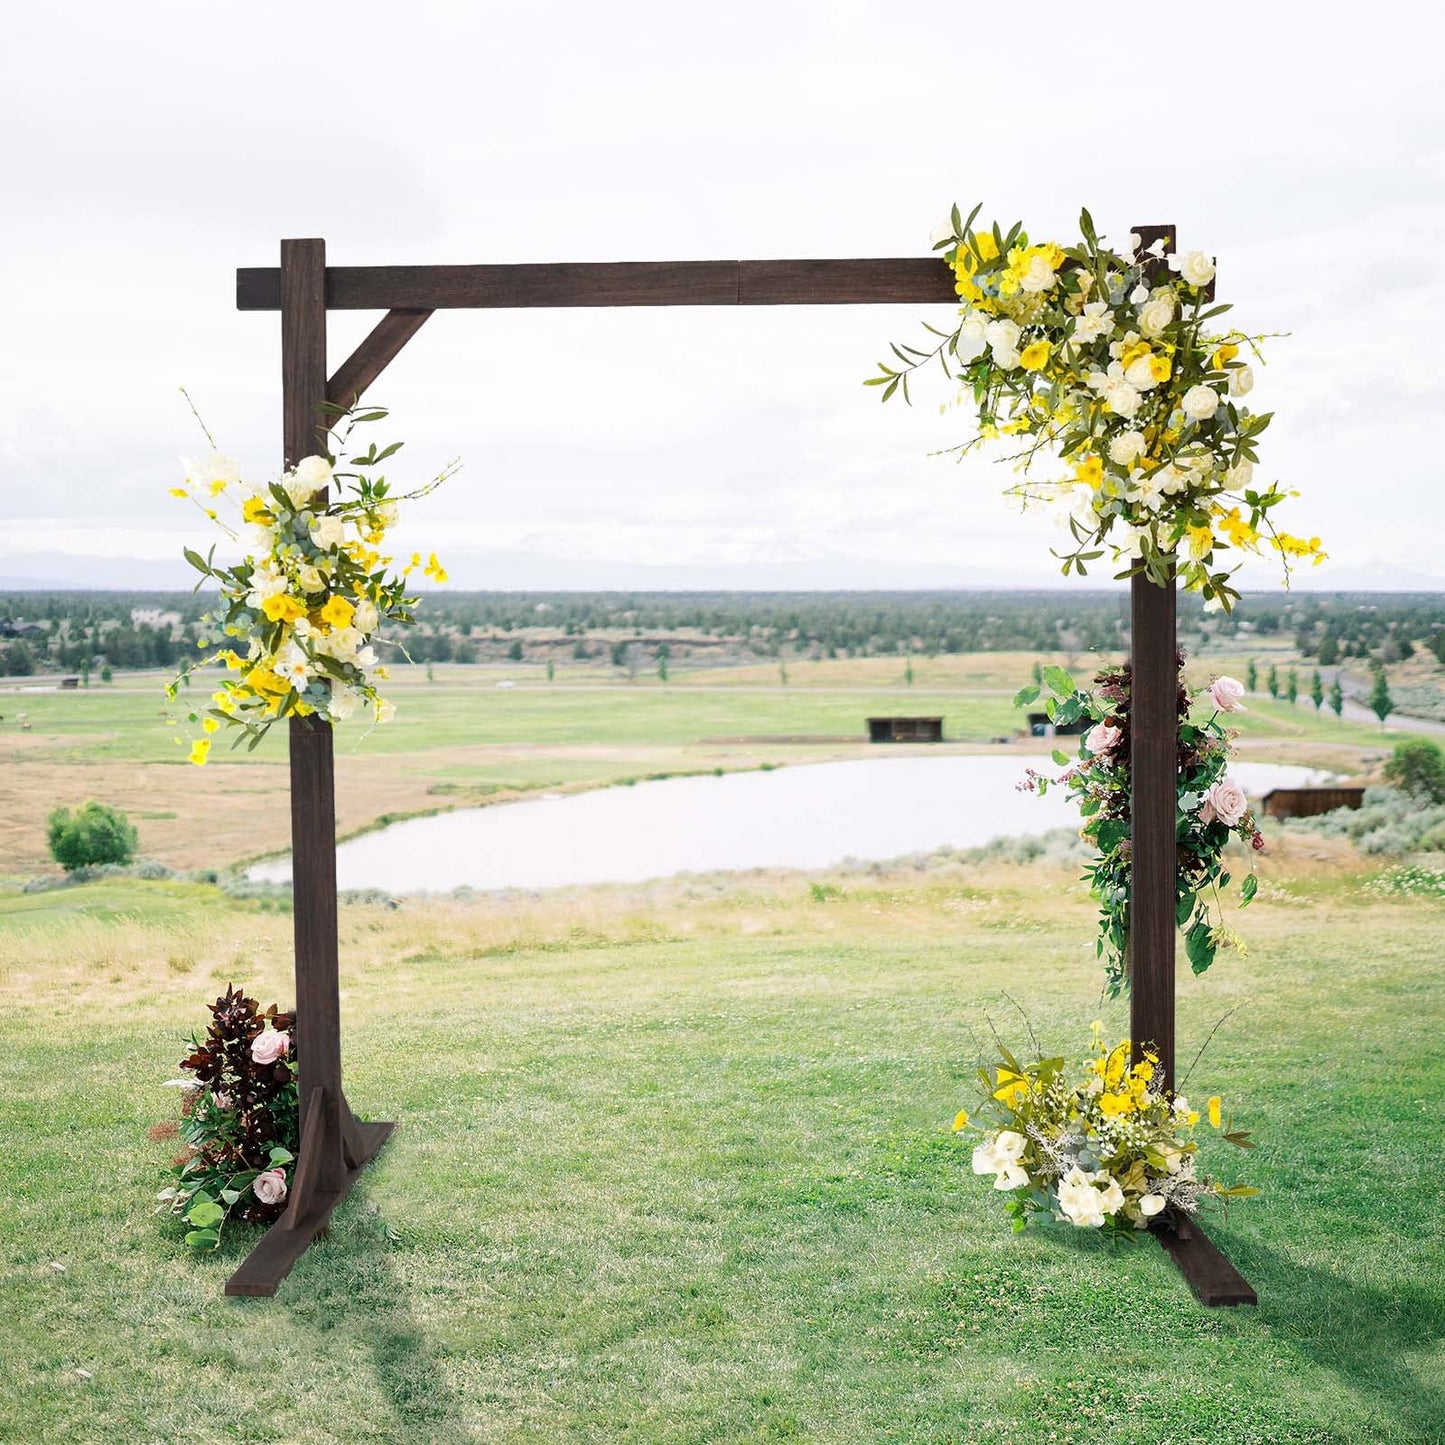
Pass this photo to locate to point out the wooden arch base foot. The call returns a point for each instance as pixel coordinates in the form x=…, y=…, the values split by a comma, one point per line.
x=1214, y=1280
x=335, y=1148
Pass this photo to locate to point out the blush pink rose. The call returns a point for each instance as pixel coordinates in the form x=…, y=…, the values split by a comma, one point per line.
x=1101, y=738
x=1225, y=693
x=270, y=1187
x=269, y=1046
x=1226, y=802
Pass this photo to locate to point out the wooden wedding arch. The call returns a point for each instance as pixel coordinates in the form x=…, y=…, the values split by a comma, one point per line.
x=335, y=1146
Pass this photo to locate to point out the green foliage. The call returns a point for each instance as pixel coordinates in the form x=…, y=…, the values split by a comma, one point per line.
x=1291, y=687
x=1419, y=769
x=90, y=836
x=1251, y=676
x=1337, y=698
x=1272, y=681
x=1381, y=703
x=17, y=660
x=1317, y=690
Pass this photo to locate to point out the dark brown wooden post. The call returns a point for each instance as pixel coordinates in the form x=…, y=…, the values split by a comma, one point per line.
x=334, y=1146
x=1153, y=802
x=313, y=787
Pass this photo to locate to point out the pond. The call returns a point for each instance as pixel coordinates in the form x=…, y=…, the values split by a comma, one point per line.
x=807, y=816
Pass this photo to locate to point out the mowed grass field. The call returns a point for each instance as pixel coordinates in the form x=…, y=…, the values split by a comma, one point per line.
x=673, y=1163
x=460, y=739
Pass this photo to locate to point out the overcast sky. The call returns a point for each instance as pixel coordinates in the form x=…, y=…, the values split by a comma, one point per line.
x=150, y=149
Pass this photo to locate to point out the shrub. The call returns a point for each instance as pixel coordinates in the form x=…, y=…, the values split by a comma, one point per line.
x=1419, y=769
x=90, y=835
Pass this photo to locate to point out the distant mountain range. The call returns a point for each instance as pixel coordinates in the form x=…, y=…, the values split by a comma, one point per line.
x=536, y=572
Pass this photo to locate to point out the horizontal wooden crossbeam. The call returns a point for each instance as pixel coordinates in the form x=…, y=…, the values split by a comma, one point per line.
x=909, y=280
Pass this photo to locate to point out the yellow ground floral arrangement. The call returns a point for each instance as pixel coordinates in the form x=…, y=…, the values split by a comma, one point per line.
x=298, y=615
x=1101, y=1150
x=1107, y=359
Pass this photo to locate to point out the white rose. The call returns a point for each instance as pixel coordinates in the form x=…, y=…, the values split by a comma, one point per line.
x=1200, y=402
x=1139, y=376
x=1196, y=268
x=1139, y=295
x=1150, y=1205
x=327, y=532
x=985, y=1158
x=309, y=578
x=313, y=472
x=1006, y=357
x=1156, y=315
x=972, y=337
x=1079, y=1201
x=342, y=704
x=1121, y=398
x=386, y=514
x=1239, y=476
x=1241, y=381
x=365, y=618
x=385, y=711
x=1126, y=448
x=1002, y=333
x=1039, y=277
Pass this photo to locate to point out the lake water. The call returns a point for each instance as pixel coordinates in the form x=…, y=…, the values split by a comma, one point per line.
x=808, y=816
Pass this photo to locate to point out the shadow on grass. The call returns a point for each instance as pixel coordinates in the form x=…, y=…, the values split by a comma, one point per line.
x=360, y=1293
x=1362, y=1333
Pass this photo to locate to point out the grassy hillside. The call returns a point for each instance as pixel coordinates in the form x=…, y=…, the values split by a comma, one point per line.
x=674, y=1164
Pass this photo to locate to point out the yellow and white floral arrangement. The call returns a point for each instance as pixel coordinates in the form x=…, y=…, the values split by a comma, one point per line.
x=1108, y=360
x=1102, y=1150
x=298, y=616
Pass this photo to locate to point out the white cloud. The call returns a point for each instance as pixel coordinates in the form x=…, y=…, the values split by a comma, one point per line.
x=186, y=145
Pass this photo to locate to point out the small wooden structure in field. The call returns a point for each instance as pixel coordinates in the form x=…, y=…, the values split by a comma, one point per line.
x=1309, y=802
x=905, y=729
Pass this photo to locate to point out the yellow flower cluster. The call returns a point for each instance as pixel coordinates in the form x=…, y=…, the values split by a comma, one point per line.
x=1105, y=1149
x=1103, y=357
x=298, y=615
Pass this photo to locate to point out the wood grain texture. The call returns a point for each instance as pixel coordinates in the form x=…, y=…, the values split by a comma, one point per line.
x=1153, y=770
x=912, y=280
x=382, y=346
x=1211, y=1276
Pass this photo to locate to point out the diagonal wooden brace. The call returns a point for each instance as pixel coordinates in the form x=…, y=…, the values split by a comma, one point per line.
x=381, y=347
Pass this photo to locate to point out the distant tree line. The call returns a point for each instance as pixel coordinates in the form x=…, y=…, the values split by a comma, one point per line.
x=79, y=631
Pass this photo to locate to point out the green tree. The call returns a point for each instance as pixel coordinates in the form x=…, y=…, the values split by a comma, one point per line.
x=1317, y=690
x=908, y=672
x=662, y=655
x=1329, y=653
x=1419, y=769
x=1337, y=697
x=1272, y=681
x=106, y=675
x=17, y=660
x=1251, y=676
x=551, y=669
x=90, y=835
x=782, y=672
x=514, y=652
x=1291, y=687
x=1381, y=703
x=1038, y=673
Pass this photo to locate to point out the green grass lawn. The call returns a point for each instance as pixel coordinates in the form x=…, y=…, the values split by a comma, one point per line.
x=673, y=1164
